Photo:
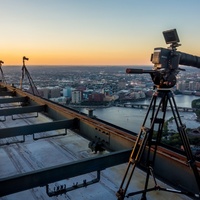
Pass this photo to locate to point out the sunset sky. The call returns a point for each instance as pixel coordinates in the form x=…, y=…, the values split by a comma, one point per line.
x=94, y=32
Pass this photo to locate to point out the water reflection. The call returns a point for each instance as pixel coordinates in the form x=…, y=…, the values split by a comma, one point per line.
x=132, y=118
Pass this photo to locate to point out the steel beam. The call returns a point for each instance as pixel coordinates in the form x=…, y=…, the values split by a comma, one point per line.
x=21, y=110
x=7, y=93
x=3, y=89
x=13, y=100
x=35, y=128
x=48, y=175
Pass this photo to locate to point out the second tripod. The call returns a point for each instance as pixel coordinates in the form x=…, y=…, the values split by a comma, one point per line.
x=146, y=140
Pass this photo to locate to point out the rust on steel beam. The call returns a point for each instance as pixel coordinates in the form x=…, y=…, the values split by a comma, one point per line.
x=21, y=110
x=13, y=100
x=42, y=177
x=35, y=128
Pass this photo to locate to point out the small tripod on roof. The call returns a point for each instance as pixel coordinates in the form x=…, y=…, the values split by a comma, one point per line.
x=2, y=74
x=25, y=71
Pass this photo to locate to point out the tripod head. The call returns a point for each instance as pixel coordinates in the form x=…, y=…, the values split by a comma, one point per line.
x=24, y=58
x=166, y=62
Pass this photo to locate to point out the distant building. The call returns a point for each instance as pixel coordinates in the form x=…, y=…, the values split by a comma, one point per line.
x=122, y=84
x=149, y=93
x=181, y=85
x=81, y=88
x=107, y=92
x=60, y=100
x=142, y=94
x=86, y=93
x=67, y=92
x=76, y=96
x=44, y=92
x=50, y=92
x=54, y=92
x=136, y=95
x=192, y=85
x=197, y=93
x=197, y=86
x=96, y=97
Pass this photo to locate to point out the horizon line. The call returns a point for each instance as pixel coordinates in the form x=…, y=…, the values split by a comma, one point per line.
x=78, y=65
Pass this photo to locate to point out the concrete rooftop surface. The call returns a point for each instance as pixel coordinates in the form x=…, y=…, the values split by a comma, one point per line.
x=32, y=155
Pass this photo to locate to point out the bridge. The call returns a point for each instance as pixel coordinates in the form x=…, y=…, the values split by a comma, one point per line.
x=146, y=106
x=170, y=165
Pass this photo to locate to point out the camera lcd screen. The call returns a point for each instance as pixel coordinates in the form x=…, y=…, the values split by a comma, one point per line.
x=171, y=36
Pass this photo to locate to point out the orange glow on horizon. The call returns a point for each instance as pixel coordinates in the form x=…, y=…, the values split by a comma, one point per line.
x=85, y=33
x=75, y=58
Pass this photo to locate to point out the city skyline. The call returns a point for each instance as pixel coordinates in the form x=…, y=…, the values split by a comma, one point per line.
x=92, y=32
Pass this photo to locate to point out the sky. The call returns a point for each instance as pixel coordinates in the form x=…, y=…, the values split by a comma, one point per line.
x=94, y=32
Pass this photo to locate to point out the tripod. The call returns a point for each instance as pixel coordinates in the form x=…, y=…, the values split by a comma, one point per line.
x=26, y=72
x=145, y=141
x=2, y=74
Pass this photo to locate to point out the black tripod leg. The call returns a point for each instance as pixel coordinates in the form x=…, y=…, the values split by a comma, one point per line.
x=136, y=153
x=160, y=121
x=185, y=141
x=142, y=143
x=149, y=162
x=133, y=161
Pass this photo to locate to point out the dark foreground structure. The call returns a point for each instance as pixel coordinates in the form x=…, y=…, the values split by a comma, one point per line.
x=116, y=143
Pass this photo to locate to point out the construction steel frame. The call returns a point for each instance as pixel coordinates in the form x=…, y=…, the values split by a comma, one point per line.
x=114, y=139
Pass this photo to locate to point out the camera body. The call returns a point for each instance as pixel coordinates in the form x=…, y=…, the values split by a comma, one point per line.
x=166, y=62
x=165, y=59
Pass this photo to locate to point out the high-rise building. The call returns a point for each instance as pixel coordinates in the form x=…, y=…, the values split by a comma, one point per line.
x=181, y=85
x=192, y=86
x=67, y=92
x=76, y=96
x=44, y=92
x=50, y=92
x=54, y=92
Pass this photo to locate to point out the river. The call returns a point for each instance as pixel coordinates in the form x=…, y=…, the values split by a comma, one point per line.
x=132, y=118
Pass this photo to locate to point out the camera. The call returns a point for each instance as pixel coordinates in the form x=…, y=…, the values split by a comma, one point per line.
x=166, y=61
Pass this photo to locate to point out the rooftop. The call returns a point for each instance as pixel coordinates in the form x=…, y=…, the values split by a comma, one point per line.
x=37, y=154
x=38, y=145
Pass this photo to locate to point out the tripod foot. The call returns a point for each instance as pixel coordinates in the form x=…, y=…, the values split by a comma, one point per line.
x=144, y=197
x=120, y=194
